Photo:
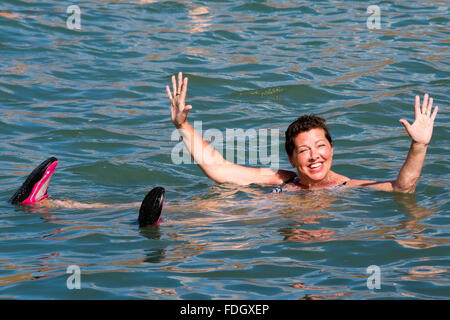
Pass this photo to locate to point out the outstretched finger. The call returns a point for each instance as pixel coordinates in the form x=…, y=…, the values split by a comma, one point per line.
x=184, y=89
x=429, y=108
x=169, y=94
x=174, y=86
x=435, y=111
x=180, y=82
x=425, y=103
x=417, y=107
x=405, y=123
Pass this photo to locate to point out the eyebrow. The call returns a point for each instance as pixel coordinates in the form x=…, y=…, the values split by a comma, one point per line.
x=321, y=139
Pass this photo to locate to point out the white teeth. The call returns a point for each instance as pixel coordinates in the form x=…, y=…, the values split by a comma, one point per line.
x=315, y=165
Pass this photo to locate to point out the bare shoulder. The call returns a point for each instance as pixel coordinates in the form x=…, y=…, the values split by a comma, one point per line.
x=272, y=177
x=383, y=185
x=285, y=175
x=357, y=183
x=263, y=176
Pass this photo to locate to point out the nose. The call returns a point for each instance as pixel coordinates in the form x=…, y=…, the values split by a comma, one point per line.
x=313, y=154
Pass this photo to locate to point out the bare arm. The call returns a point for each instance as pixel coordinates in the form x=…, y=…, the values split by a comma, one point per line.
x=420, y=132
x=207, y=158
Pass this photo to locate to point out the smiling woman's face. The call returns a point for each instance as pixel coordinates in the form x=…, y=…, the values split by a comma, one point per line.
x=312, y=156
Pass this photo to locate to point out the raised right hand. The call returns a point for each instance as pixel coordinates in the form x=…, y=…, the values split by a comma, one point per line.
x=422, y=128
x=177, y=98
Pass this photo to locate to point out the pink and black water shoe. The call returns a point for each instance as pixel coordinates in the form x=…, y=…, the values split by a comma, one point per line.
x=34, y=189
x=151, y=208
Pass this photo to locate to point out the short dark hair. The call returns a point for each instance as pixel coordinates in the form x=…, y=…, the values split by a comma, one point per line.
x=302, y=124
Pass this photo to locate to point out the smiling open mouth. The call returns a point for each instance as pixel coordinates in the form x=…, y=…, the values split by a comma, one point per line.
x=315, y=165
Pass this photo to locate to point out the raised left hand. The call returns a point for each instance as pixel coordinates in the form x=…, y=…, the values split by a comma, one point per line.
x=178, y=107
x=422, y=128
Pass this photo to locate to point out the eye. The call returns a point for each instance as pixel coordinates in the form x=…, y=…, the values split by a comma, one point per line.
x=301, y=151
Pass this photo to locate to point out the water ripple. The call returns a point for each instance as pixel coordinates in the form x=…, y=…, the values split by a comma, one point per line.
x=95, y=99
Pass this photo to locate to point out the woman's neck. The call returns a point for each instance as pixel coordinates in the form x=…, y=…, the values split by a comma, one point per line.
x=331, y=179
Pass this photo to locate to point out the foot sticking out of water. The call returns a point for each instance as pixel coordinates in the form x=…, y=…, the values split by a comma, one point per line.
x=151, y=208
x=35, y=187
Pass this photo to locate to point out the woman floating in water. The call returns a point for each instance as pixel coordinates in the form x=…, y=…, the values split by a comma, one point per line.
x=309, y=147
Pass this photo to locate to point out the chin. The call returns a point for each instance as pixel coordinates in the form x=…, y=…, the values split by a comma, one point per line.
x=316, y=177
